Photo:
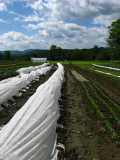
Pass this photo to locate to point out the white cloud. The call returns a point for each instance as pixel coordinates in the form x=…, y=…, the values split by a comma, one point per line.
x=16, y=40
x=105, y=20
x=33, y=18
x=66, y=36
x=44, y=33
x=75, y=9
x=3, y=6
x=63, y=22
x=56, y=14
x=3, y=21
x=70, y=35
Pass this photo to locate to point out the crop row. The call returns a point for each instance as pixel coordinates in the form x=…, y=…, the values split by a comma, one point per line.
x=102, y=106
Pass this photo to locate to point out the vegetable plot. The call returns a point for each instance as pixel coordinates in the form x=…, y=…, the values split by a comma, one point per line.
x=101, y=103
x=31, y=68
x=31, y=133
x=107, y=73
x=110, y=71
x=11, y=86
x=111, y=68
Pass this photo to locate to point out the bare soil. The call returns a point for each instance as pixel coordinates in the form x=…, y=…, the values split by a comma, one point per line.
x=83, y=135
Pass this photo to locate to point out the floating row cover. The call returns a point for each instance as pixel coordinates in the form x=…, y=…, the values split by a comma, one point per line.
x=31, y=68
x=31, y=133
x=106, y=67
x=11, y=86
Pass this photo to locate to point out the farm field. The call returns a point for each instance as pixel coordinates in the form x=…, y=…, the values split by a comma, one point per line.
x=8, y=68
x=8, y=112
x=92, y=109
x=14, y=65
x=89, y=108
x=31, y=100
x=59, y=80
x=82, y=62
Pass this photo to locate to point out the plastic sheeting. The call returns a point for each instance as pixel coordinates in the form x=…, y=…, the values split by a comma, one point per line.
x=31, y=133
x=107, y=73
x=106, y=67
x=11, y=86
x=26, y=70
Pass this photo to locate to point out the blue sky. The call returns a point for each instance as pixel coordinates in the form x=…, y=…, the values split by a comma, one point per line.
x=26, y=24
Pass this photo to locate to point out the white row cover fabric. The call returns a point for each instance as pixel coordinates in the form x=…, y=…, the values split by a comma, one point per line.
x=11, y=86
x=107, y=73
x=111, y=68
x=31, y=68
x=31, y=133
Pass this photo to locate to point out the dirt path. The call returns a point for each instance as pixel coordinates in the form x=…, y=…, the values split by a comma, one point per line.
x=78, y=141
x=78, y=76
x=84, y=137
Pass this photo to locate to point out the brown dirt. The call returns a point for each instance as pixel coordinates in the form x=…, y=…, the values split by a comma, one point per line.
x=84, y=136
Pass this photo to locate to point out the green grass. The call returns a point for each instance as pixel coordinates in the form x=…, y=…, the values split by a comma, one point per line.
x=88, y=64
x=96, y=102
x=114, y=72
x=8, y=68
x=78, y=62
x=115, y=64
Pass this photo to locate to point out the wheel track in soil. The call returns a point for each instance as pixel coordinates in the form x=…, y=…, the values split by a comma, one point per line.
x=77, y=124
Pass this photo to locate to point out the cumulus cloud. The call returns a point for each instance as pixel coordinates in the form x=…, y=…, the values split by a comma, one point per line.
x=16, y=40
x=33, y=18
x=2, y=21
x=69, y=23
x=66, y=9
x=105, y=20
x=4, y=3
x=58, y=13
x=66, y=36
x=3, y=6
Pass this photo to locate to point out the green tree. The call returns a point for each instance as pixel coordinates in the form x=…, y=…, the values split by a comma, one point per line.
x=53, y=49
x=60, y=53
x=114, y=34
x=0, y=56
x=7, y=55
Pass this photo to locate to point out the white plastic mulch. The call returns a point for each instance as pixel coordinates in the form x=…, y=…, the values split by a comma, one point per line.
x=31, y=133
x=11, y=86
x=111, y=68
x=31, y=68
x=107, y=73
